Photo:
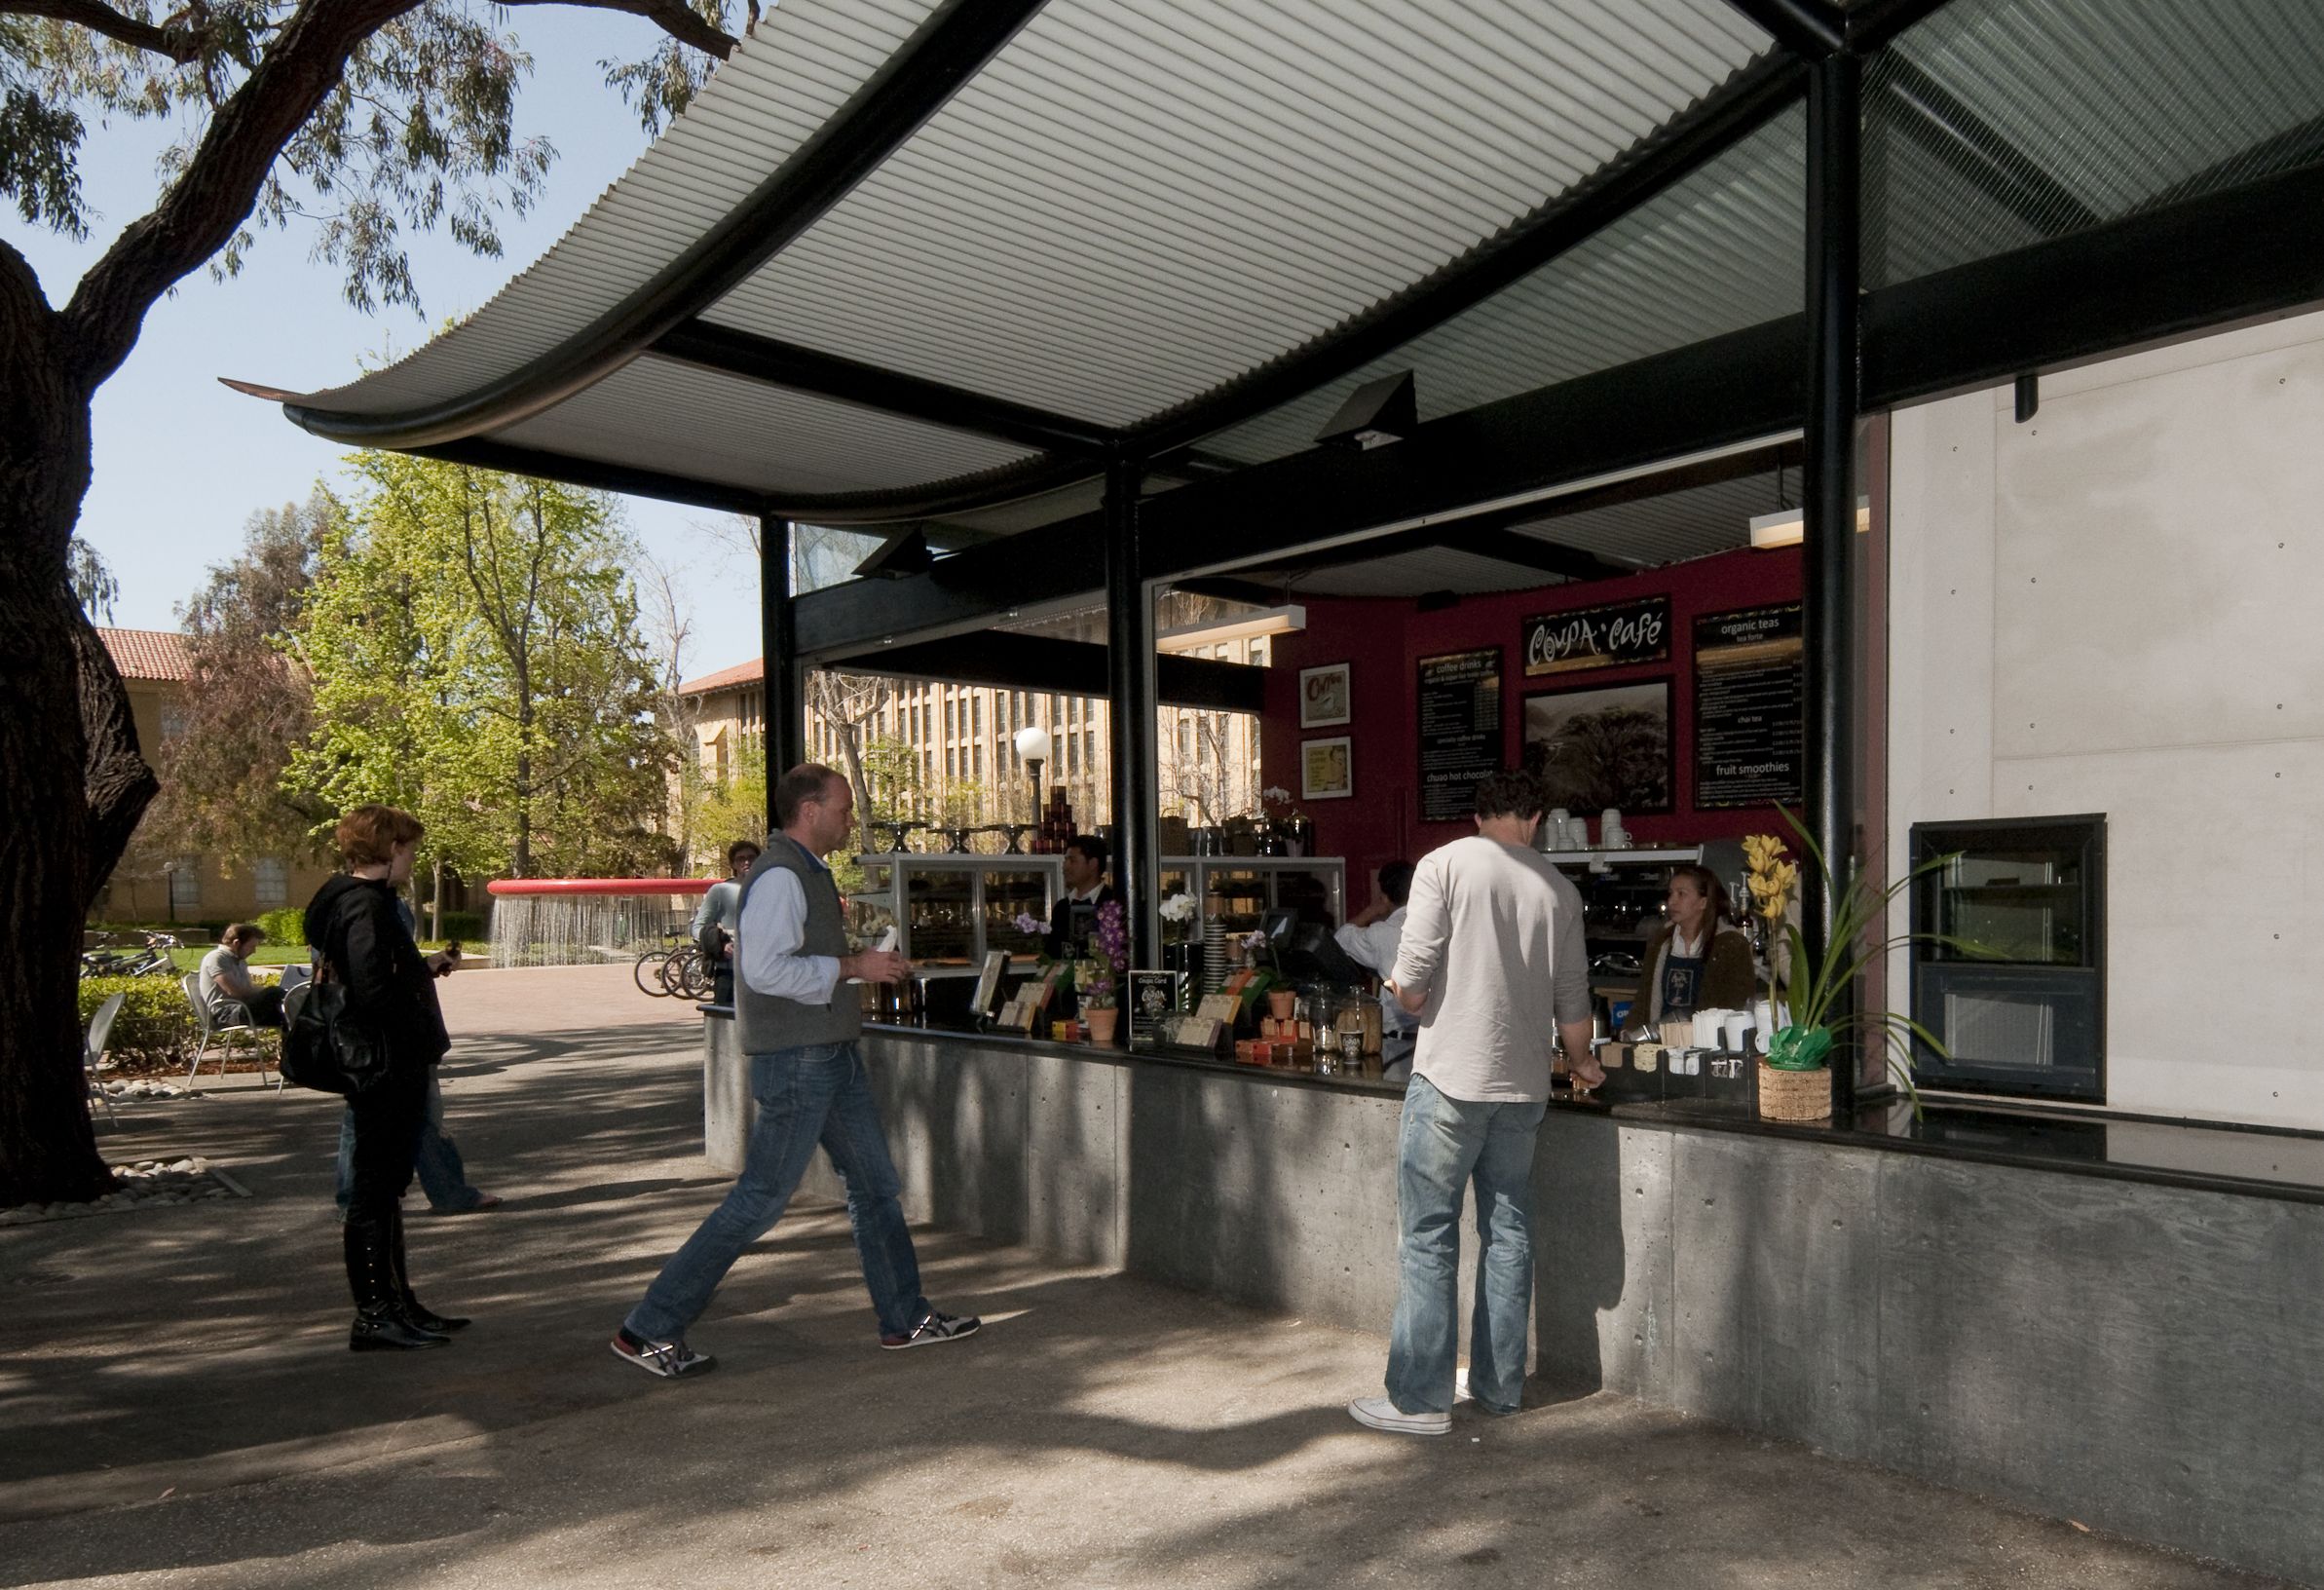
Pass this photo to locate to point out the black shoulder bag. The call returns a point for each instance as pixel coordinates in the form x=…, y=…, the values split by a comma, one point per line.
x=323, y=1047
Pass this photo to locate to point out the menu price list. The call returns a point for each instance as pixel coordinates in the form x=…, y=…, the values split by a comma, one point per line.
x=1460, y=729
x=1750, y=692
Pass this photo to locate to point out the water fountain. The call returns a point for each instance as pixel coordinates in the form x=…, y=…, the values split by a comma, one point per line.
x=578, y=922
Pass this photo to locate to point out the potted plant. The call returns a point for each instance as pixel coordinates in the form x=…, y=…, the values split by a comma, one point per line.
x=1097, y=985
x=1795, y=1078
x=1291, y=828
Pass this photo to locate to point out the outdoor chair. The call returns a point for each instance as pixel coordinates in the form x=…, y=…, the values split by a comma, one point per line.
x=222, y=1032
x=93, y=1050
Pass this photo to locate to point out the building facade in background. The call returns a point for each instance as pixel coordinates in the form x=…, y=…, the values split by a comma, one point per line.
x=945, y=754
x=157, y=672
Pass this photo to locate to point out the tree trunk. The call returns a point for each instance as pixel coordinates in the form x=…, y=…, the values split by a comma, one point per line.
x=74, y=782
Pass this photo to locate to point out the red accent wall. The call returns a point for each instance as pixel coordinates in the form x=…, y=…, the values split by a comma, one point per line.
x=1383, y=642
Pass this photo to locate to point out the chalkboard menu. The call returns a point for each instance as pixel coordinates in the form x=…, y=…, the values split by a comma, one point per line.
x=1460, y=730
x=1749, y=698
x=1598, y=637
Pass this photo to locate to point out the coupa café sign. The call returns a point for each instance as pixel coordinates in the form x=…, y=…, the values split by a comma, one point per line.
x=1598, y=637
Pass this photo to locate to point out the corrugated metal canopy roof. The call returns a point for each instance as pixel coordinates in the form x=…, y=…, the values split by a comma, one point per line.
x=1122, y=209
x=1133, y=202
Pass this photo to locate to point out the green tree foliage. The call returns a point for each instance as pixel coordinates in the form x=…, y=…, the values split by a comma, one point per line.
x=94, y=585
x=472, y=639
x=352, y=119
x=249, y=700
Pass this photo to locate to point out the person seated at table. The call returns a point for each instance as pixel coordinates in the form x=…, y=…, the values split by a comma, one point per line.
x=1694, y=961
x=1370, y=937
x=1074, y=917
x=227, y=987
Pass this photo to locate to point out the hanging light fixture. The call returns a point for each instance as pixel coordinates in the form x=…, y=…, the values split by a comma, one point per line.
x=1787, y=526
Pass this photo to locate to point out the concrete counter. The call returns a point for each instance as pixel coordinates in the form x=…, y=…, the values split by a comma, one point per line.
x=2135, y=1355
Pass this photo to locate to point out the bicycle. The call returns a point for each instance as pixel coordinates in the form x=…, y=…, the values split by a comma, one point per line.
x=677, y=967
x=153, y=961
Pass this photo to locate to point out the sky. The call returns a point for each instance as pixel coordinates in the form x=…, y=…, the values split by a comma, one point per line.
x=182, y=461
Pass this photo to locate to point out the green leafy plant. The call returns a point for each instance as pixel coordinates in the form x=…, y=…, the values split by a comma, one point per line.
x=155, y=1028
x=285, y=926
x=1818, y=984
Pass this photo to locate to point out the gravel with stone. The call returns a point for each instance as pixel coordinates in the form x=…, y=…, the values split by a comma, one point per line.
x=143, y=1184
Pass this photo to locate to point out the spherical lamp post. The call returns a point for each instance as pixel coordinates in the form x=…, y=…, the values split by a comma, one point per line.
x=1032, y=744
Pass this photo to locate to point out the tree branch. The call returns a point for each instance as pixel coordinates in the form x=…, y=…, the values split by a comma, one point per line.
x=181, y=45
x=202, y=211
x=670, y=16
x=203, y=206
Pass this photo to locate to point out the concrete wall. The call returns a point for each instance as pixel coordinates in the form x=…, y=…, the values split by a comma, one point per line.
x=2137, y=1357
x=2113, y=608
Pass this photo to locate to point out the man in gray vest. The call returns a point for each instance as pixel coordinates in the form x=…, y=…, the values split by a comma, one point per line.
x=799, y=1021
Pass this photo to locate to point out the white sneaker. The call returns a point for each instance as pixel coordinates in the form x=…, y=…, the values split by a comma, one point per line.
x=1460, y=1387
x=1380, y=1414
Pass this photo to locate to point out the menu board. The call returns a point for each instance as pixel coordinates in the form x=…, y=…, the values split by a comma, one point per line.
x=1460, y=730
x=1598, y=637
x=1750, y=692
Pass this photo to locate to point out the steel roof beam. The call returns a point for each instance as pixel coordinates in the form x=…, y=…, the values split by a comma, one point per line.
x=1958, y=136
x=2203, y=262
x=951, y=45
x=1009, y=660
x=1808, y=30
x=753, y=358
x=484, y=453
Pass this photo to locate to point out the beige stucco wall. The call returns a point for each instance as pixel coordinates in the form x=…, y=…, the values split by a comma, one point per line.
x=2114, y=608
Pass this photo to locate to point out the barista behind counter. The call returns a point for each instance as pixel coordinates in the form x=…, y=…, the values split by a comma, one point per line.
x=1694, y=961
x=1075, y=916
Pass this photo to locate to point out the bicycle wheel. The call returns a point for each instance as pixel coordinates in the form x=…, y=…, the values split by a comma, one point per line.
x=650, y=981
x=696, y=976
x=673, y=970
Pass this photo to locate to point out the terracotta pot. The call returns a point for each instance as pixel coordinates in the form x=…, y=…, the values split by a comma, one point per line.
x=1101, y=1023
x=1281, y=1003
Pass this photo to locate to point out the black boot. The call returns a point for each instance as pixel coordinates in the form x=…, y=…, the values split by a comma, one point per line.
x=380, y=1325
x=418, y=1312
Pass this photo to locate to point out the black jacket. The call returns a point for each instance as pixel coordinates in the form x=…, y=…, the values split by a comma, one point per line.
x=351, y=923
x=1061, y=918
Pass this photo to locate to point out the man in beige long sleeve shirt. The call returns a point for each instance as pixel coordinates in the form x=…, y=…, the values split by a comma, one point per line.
x=1492, y=962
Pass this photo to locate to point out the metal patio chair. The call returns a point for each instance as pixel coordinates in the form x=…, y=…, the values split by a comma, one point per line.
x=221, y=1032
x=93, y=1050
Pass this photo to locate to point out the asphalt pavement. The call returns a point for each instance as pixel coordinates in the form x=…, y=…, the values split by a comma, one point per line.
x=178, y=1405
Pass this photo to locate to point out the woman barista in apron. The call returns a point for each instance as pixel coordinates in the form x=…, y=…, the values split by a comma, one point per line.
x=1694, y=961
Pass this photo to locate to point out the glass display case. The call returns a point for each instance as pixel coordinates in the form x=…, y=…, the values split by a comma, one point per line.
x=950, y=910
x=1239, y=889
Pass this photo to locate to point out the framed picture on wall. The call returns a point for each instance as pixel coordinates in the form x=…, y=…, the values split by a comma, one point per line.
x=1326, y=769
x=1325, y=699
x=1604, y=746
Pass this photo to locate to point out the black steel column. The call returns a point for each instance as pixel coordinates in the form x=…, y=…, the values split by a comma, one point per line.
x=1835, y=102
x=1130, y=694
x=779, y=646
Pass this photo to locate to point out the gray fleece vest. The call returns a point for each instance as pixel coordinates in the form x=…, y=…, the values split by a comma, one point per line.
x=769, y=1023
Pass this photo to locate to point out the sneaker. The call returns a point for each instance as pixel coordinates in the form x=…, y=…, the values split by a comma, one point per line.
x=934, y=1327
x=668, y=1359
x=1382, y=1415
x=1461, y=1393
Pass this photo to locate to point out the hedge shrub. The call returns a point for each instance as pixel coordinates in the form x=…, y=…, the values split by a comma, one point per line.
x=287, y=925
x=468, y=927
x=156, y=1026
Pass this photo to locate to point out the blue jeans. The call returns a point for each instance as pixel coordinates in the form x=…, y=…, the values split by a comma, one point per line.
x=1446, y=1145
x=444, y=1177
x=816, y=1094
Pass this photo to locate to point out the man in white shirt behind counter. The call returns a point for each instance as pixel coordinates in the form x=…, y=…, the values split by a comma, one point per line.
x=1370, y=937
x=1492, y=962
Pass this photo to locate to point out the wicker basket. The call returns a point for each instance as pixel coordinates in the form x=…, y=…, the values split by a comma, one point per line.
x=1794, y=1095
